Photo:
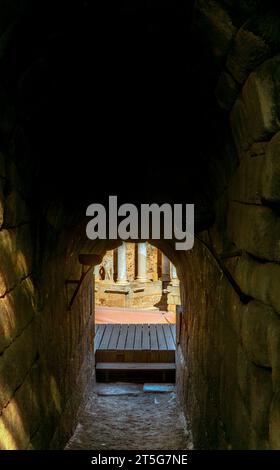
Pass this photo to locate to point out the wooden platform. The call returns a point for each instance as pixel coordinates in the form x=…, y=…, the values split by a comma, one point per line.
x=135, y=316
x=135, y=343
x=135, y=352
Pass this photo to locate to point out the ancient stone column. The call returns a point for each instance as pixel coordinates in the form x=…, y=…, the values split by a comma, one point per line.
x=142, y=262
x=174, y=277
x=96, y=272
x=165, y=268
x=122, y=277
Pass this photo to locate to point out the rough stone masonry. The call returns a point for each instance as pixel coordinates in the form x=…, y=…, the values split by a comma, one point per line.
x=228, y=355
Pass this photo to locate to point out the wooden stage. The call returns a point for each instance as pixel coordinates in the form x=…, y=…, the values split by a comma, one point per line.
x=135, y=352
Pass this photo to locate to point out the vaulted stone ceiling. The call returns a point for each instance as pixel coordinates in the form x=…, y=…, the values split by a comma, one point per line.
x=105, y=108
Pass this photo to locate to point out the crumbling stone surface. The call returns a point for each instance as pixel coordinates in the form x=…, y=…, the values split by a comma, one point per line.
x=246, y=184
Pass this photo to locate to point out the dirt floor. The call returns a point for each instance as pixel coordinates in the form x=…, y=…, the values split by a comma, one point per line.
x=127, y=315
x=124, y=416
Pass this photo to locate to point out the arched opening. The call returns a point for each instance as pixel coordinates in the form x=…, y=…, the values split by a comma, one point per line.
x=148, y=395
x=136, y=296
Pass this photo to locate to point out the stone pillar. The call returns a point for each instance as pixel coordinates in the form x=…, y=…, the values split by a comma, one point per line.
x=142, y=262
x=165, y=268
x=174, y=277
x=122, y=277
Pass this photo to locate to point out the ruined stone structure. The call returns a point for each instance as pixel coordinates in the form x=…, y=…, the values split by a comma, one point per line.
x=137, y=275
x=223, y=74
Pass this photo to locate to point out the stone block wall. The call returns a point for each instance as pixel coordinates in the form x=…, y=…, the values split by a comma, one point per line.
x=228, y=359
x=66, y=342
x=46, y=350
x=150, y=294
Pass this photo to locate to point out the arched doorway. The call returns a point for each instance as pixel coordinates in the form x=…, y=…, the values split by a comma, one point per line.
x=136, y=293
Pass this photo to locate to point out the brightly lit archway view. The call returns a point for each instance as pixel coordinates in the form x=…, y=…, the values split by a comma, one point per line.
x=137, y=294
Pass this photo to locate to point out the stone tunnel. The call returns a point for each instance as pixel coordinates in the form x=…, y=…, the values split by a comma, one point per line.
x=164, y=104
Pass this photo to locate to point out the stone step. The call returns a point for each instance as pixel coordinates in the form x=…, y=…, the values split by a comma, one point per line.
x=135, y=366
x=140, y=372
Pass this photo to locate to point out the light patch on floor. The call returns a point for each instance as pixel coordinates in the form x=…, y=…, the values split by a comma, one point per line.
x=158, y=388
x=116, y=389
